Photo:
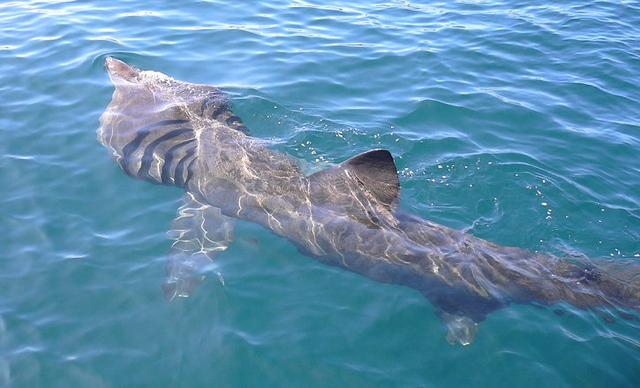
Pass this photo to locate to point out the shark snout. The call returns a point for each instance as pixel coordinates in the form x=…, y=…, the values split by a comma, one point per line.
x=119, y=70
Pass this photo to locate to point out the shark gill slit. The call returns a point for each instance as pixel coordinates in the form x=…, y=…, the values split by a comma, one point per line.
x=165, y=176
x=144, y=172
x=141, y=135
x=179, y=171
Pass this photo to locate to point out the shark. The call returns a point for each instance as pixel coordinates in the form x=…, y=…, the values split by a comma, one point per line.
x=165, y=131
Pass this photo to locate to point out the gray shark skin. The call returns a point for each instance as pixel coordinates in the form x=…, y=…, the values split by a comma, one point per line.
x=180, y=134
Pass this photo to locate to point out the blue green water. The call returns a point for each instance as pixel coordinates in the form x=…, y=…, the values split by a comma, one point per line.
x=518, y=121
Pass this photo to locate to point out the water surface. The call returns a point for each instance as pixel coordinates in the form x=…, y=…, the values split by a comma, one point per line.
x=518, y=121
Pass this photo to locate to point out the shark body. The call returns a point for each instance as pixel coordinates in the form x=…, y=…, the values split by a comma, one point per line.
x=175, y=133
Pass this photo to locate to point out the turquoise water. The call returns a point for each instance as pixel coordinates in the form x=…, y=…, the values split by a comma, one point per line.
x=518, y=121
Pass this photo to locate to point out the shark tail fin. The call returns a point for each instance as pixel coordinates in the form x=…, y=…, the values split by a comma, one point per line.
x=606, y=286
x=617, y=280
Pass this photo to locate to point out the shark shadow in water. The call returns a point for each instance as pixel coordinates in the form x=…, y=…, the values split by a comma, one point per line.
x=180, y=134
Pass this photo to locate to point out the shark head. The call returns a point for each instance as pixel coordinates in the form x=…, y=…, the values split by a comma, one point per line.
x=149, y=101
x=151, y=91
x=120, y=71
x=152, y=95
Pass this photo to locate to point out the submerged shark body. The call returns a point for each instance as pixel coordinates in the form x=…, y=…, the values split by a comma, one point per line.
x=181, y=134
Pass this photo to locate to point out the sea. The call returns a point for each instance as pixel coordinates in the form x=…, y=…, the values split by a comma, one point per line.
x=516, y=121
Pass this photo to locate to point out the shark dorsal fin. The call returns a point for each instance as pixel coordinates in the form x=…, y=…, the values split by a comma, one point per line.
x=377, y=172
x=369, y=179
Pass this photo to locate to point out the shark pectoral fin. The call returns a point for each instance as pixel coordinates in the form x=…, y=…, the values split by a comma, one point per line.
x=460, y=329
x=200, y=232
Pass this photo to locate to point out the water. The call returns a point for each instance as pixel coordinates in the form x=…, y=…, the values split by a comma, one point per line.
x=519, y=121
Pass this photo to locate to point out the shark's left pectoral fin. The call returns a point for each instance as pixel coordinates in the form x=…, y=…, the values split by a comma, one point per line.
x=200, y=232
x=460, y=329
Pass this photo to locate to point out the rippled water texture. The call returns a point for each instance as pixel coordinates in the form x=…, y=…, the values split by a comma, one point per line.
x=519, y=121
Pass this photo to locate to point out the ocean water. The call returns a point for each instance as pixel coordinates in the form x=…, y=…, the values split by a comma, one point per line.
x=518, y=121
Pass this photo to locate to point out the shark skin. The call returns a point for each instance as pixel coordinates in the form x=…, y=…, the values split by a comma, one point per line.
x=180, y=134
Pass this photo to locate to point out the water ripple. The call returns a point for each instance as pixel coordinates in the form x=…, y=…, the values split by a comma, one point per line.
x=517, y=121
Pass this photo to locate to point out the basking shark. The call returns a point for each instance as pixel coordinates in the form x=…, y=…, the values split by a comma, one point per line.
x=181, y=134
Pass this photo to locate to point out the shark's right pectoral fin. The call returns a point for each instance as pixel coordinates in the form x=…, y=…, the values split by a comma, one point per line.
x=200, y=232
